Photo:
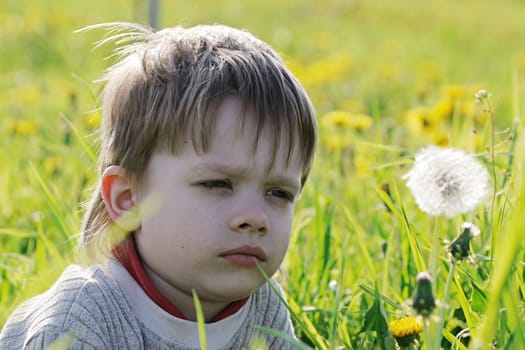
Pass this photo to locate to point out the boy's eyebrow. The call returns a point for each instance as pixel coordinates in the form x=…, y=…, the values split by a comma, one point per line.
x=221, y=168
x=237, y=171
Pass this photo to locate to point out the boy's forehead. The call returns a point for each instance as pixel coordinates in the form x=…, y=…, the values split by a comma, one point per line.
x=237, y=120
x=237, y=126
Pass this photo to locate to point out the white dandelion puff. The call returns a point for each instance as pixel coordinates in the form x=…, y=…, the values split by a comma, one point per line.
x=470, y=229
x=333, y=285
x=482, y=95
x=447, y=181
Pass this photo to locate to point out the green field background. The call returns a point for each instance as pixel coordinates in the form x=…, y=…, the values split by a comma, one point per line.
x=386, y=78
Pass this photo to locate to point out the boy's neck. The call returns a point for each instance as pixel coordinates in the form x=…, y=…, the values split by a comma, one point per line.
x=184, y=301
x=165, y=295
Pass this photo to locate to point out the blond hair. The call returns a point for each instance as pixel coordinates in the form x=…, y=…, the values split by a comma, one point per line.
x=163, y=86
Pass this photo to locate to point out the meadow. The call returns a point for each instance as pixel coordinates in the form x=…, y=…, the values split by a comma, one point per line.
x=387, y=78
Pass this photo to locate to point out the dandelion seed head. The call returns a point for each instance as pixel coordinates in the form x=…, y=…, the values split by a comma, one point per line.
x=447, y=181
x=472, y=229
x=459, y=248
x=332, y=285
x=482, y=95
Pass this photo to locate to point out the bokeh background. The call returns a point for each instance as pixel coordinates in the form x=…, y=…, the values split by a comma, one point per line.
x=386, y=78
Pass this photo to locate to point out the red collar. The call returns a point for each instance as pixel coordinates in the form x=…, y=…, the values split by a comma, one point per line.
x=126, y=253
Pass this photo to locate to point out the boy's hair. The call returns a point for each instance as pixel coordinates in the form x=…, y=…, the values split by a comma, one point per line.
x=165, y=86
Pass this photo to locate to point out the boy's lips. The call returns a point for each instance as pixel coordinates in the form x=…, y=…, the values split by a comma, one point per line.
x=246, y=255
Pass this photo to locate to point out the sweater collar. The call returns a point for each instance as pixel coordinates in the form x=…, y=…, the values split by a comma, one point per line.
x=174, y=329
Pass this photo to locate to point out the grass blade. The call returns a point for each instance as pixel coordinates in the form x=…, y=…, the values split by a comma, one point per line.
x=200, y=320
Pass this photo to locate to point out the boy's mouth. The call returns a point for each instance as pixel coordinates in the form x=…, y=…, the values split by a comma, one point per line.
x=246, y=255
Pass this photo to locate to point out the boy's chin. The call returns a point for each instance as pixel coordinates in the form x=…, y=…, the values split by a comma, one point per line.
x=238, y=289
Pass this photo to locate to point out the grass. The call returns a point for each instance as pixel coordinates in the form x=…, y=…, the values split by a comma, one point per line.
x=387, y=78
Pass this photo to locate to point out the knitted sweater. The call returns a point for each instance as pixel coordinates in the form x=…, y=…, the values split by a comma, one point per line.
x=102, y=307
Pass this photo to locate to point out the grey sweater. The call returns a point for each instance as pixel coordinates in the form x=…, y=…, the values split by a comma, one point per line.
x=102, y=307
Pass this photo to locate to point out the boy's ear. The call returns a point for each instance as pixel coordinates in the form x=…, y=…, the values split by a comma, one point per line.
x=118, y=197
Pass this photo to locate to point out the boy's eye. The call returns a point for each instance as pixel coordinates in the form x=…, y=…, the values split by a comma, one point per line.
x=280, y=193
x=212, y=184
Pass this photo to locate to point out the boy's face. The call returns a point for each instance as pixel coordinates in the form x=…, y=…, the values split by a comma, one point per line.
x=220, y=213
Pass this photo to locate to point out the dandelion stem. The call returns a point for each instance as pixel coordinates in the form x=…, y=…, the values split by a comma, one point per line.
x=435, y=248
x=493, y=169
x=444, y=303
x=426, y=333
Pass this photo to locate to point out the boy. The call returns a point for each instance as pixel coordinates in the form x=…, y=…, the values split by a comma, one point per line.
x=207, y=141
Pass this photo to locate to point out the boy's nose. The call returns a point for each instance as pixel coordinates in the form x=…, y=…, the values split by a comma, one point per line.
x=250, y=217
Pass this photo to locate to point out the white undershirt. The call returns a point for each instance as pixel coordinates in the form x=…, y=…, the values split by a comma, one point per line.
x=172, y=328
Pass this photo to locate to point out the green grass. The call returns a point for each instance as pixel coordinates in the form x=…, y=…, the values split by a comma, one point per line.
x=359, y=239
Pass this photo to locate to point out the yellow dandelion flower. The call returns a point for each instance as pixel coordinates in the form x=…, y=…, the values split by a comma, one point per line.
x=443, y=109
x=330, y=142
x=439, y=137
x=335, y=142
x=405, y=330
x=338, y=119
x=361, y=122
x=296, y=66
x=405, y=326
x=22, y=127
x=419, y=120
x=346, y=120
x=328, y=70
x=362, y=164
x=93, y=120
x=27, y=127
x=52, y=164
